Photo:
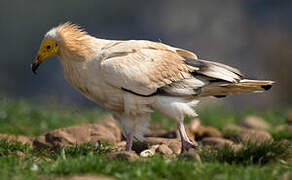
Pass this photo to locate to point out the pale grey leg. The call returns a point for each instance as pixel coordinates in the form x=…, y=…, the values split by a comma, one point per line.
x=129, y=141
x=186, y=143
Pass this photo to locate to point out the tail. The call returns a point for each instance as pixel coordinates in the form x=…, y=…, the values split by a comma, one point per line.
x=222, y=89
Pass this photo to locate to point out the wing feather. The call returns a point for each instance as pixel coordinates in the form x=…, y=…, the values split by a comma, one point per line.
x=145, y=67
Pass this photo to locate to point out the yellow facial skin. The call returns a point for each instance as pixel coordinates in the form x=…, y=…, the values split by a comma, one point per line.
x=47, y=49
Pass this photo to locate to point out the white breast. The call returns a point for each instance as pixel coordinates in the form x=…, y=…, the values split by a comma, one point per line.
x=85, y=77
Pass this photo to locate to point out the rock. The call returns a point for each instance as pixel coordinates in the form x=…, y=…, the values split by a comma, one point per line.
x=254, y=122
x=175, y=146
x=254, y=136
x=289, y=117
x=194, y=125
x=159, y=140
x=83, y=177
x=19, y=138
x=105, y=131
x=191, y=154
x=203, y=132
x=124, y=155
x=78, y=135
x=111, y=125
x=149, y=152
x=217, y=142
x=164, y=150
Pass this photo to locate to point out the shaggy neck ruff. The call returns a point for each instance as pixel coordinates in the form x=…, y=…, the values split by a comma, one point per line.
x=75, y=43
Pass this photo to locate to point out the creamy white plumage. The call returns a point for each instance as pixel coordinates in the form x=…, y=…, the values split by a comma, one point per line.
x=133, y=78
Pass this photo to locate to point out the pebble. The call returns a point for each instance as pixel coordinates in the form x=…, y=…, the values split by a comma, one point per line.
x=164, y=150
x=217, y=142
x=124, y=155
x=255, y=122
x=254, y=136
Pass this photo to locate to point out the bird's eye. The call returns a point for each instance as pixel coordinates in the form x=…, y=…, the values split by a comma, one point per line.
x=48, y=46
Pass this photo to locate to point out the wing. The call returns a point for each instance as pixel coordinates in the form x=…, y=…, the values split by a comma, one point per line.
x=142, y=67
x=146, y=68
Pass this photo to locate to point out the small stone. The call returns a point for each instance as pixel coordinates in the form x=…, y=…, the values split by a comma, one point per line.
x=203, y=132
x=124, y=155
x=159, y=140
x=164, y=150
x=217, y=142
x=105, y=130
x=254, y=136
x=175, y=146
x=254, y=122
x=149, y=152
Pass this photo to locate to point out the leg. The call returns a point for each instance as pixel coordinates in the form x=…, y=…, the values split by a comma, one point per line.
x=129, y=138
x=129, y=141
x=186, y=143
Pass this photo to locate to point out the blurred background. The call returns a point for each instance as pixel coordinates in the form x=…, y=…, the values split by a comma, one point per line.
x=252, y=35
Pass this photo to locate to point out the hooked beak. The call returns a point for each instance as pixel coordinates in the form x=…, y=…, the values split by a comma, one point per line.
x=35, y=64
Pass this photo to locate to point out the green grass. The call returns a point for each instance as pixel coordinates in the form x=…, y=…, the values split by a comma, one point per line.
x=21, y=117
x=89, y=158
x=265, y=161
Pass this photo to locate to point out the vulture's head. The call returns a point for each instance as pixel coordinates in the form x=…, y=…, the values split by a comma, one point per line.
x=68, y=41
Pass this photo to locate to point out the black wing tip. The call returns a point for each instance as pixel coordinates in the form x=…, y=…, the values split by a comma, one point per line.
x=266, y=87
x=220, y=96
x=137, y=94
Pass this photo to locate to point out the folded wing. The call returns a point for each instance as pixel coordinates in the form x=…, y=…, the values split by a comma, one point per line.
x=143, y=67
x=148, y=68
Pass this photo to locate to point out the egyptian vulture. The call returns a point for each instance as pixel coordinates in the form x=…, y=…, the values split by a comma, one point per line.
x=133, y=78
